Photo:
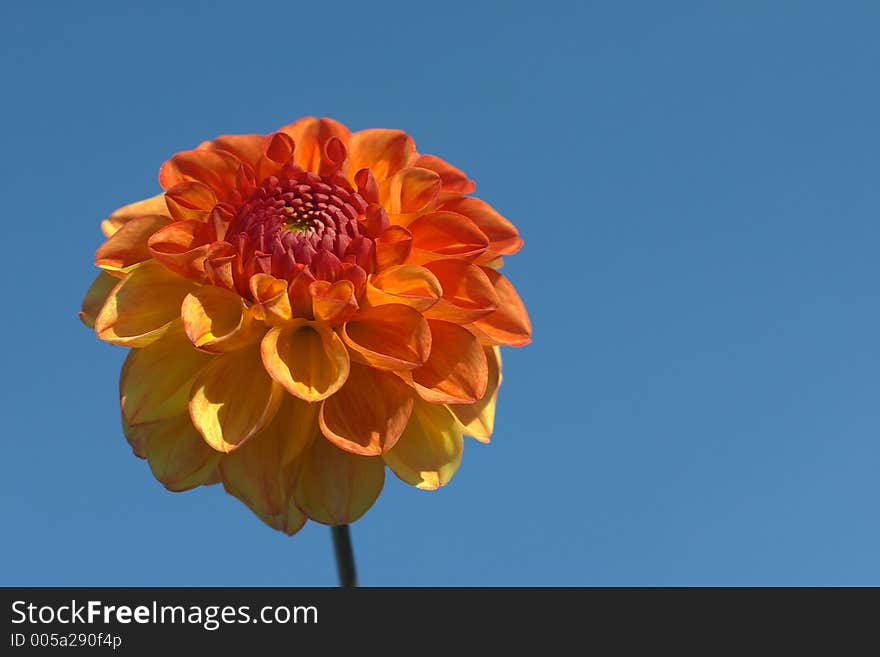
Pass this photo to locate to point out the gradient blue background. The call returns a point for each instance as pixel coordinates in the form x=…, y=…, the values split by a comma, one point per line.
x=697, y=187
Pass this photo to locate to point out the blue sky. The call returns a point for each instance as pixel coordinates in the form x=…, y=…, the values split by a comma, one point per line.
x=697, y=187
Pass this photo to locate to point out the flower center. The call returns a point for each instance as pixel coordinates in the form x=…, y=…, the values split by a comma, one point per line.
x=300, y=220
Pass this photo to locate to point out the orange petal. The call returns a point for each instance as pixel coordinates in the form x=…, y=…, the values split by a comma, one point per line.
x=307, y=358
x=445, y=234
x=452, y=180
x=233, y=398
x=509, y=325
x=393, y=247
x=262, y=472
x=190, y=200
x=336, y=487
x=409, y=190
x=310, y=135
x=216, y=169
x=128, y=245
x=279, y=147
x=247, y=148
x=156, y=380
x=478, y=419
x=273, y=302
x=96, y=297
x=333, y=302
x=141, y=307
x=503, y=236
x=429, y=451
x=389, y=337
x=383, y=152
x=153, y=205
x=456, y=371
x=182, y=247
x=218, y=320
x=409, y=285
x=369, y=412
x=178, y=456
x=468, y=293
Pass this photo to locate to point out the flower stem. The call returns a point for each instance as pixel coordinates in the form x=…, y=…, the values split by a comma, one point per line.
x=344, y=556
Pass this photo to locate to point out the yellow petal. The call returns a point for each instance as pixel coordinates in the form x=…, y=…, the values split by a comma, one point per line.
x=429, y=451
x=262, y=473
x=478, y=419
x=96, y=297
x=156, y=380
x=142, y=306
x=218, y=320
x=233, y=398
x=178, y=456
x=307, y=358
x=335, y=487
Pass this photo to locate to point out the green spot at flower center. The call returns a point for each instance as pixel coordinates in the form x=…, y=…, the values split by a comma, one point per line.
x=297, y=225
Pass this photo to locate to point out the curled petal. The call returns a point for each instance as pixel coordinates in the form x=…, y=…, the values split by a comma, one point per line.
x=333, y=155
x=503, y=236
x=262, y=472
x=190, y=200
x=142, y=306
x=214, y=168
x=279, y=147
x=307, y=358
x=178, y=456
x=218, y=320
x=409, y=285
x=156, y=380
x=335, y=487
x=223, y=266
x=389, y=337
x=383, y=152
x=445, y=235
x=367, y=186
x=452, y=180
x=128, y=245
x=270, y=293
x=456, y=371
x=333, y=303
x=96, y=297
x=182, y=247
x=369, y=412
x=247, y=148
x=509, y=325
x=409, y=190
x=298, y=292
x=393, y=247
x=468, y=294
x=153, y=205
x=310, y=135
x=233, y=398
x=478, y=419
x=429, y=451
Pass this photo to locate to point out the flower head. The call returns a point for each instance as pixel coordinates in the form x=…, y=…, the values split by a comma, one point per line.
x=303, y=309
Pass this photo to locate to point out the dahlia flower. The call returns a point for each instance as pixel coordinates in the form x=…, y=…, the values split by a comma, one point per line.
x=302, y=310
